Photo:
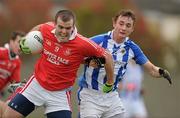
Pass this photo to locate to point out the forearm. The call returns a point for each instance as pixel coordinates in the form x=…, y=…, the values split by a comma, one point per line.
x=152, y=69
x=109, y=68
x=155, y=72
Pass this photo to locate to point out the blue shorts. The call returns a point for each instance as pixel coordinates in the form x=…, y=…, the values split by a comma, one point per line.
x=21, y=104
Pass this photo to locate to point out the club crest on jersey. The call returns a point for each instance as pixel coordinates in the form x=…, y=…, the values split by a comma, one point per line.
x=67, y=52
x=123, y=51
x=48, y=42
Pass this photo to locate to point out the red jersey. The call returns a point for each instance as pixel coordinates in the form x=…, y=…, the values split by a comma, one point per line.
x=9, y=67
x=57, y=67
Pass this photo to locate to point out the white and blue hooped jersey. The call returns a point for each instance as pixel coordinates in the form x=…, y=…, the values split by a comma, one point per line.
x=94, y=78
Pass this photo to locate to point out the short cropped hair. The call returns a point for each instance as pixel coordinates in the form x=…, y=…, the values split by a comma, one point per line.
x=17, y=33
x=127, y=13
x=65, y=15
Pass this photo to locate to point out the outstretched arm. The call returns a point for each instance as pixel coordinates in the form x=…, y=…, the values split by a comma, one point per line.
x=152, y=69
x=157, y=72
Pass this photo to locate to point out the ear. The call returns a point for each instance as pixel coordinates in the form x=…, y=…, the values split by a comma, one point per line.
x=114, y=25
x=132, y=29
x=113, y=22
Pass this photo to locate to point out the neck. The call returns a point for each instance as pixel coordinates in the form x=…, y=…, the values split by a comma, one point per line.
x=118, y=39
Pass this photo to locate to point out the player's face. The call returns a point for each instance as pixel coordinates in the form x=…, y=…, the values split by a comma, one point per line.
x=123, y=27
x=64, y=30
x=14, y=44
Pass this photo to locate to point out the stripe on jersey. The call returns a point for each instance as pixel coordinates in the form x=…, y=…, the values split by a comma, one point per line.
x=68, y=94
x=27, y=84
x=115, y=49
x=125, y=57
x=95, y=74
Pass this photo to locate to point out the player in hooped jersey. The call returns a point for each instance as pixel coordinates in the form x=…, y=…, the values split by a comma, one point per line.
x=94, y=103
x=10, y=64
x=55, y=71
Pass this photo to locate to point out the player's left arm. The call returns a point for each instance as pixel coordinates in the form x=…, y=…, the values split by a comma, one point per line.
x=153, y=70
x=157, y=72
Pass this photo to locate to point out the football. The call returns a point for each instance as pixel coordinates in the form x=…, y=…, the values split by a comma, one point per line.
x=34, y=41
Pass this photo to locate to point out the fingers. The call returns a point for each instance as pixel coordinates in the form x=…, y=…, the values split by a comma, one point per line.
x=23, y=47
x=95, y=62
x=167, y=76
x=169, y=80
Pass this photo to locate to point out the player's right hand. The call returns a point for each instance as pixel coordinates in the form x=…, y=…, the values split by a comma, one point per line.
x=25, y=49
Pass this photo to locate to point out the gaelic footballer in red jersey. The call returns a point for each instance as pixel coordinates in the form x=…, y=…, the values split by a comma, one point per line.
x=10, y=62
x=55, y=71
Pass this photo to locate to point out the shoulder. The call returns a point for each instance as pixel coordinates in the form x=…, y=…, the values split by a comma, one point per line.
x=101, y=37
x=84, y=42
x=81, y=39
x=47, y=26
x=131, y=44
x=3, y=49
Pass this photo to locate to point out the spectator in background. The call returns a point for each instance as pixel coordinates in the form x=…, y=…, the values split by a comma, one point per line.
x=10, y=63
x=131, y=91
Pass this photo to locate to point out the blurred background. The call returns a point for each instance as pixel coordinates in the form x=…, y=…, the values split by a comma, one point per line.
x=157, y=32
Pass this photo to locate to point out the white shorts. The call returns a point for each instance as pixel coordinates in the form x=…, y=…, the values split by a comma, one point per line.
x=134, y=108
x=97, y=104
x=51, y=100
